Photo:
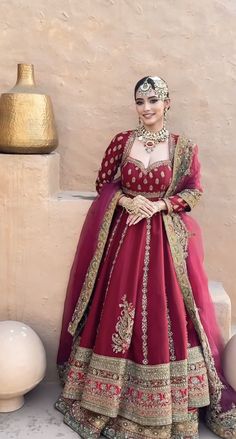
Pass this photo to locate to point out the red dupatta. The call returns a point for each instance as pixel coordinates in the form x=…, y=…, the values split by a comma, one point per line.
x=94, y=224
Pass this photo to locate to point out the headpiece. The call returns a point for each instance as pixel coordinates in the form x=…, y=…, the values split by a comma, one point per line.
x=160, y=87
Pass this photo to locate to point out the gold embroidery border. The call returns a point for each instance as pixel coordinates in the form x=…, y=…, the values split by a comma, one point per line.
x=91, y=275
x=120, y=428
x=149, y=195
x=181, y=232
x=182, y=161
x=115, y=372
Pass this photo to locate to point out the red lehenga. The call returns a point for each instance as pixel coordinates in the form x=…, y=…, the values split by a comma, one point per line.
x=140, y=348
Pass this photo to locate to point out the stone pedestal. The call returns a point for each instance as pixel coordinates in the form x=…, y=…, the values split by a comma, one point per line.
x=28, y=177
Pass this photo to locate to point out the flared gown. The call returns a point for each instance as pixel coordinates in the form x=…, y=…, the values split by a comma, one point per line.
x=137, y=369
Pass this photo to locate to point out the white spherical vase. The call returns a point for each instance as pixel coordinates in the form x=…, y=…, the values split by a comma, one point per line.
x=229, y=362
x=22, y=363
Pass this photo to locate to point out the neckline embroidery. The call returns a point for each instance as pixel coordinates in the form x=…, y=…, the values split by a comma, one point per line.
x=127, y=158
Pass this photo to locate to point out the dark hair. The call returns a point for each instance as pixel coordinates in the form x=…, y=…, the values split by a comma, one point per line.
x=141, y=82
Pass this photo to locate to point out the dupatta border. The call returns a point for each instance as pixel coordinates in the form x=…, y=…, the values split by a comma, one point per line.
x=94, y=265
x=183, y=155
x=221, y=423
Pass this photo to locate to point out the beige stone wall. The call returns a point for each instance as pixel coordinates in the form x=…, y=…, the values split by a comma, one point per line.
x=88, y=55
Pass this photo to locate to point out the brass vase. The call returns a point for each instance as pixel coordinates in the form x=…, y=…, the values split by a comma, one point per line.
x=27, y=123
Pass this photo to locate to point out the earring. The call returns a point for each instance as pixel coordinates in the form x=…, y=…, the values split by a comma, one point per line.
x=165, y=115
x=139, y=122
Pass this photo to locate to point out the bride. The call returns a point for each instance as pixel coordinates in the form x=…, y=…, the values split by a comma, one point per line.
x=140, y=349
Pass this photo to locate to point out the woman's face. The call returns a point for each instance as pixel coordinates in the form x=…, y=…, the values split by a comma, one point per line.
x=151, y=109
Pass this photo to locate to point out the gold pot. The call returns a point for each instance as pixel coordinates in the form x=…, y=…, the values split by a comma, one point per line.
x=27, y=123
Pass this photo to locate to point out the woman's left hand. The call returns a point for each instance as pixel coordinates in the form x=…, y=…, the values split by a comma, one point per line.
x=158, y=207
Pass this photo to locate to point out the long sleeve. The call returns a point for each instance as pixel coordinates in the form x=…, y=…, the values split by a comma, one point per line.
x=191, y=190
x=111, y=160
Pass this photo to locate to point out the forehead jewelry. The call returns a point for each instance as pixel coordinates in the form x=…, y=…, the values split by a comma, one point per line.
x=160, y=87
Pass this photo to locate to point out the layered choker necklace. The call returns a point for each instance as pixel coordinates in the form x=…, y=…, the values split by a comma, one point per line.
x=151, y=139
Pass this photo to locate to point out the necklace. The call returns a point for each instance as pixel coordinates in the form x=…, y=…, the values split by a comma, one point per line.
x=150, y=139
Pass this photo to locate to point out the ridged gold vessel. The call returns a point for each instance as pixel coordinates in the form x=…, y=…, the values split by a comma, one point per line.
x=27, y=123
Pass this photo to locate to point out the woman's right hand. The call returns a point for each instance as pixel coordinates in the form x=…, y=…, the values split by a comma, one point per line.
x=138, y=205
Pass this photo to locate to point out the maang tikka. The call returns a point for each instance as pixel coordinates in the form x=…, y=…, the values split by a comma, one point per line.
x=160, y=87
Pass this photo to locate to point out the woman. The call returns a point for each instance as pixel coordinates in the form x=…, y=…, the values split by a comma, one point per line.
x=145, y=353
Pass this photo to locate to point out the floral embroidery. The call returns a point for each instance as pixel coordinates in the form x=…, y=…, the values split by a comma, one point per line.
x=149, y=395
x=122, y=337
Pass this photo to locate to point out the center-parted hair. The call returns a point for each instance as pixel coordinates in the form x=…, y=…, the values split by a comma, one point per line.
x=150, y=80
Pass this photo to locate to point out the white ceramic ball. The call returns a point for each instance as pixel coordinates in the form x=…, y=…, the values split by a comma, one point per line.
x=22, y=363
x=229, y=362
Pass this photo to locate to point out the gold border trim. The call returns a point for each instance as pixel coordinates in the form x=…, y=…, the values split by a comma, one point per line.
x=182, y=161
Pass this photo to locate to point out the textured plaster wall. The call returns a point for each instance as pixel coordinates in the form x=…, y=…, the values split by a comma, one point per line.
x=88, y=56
